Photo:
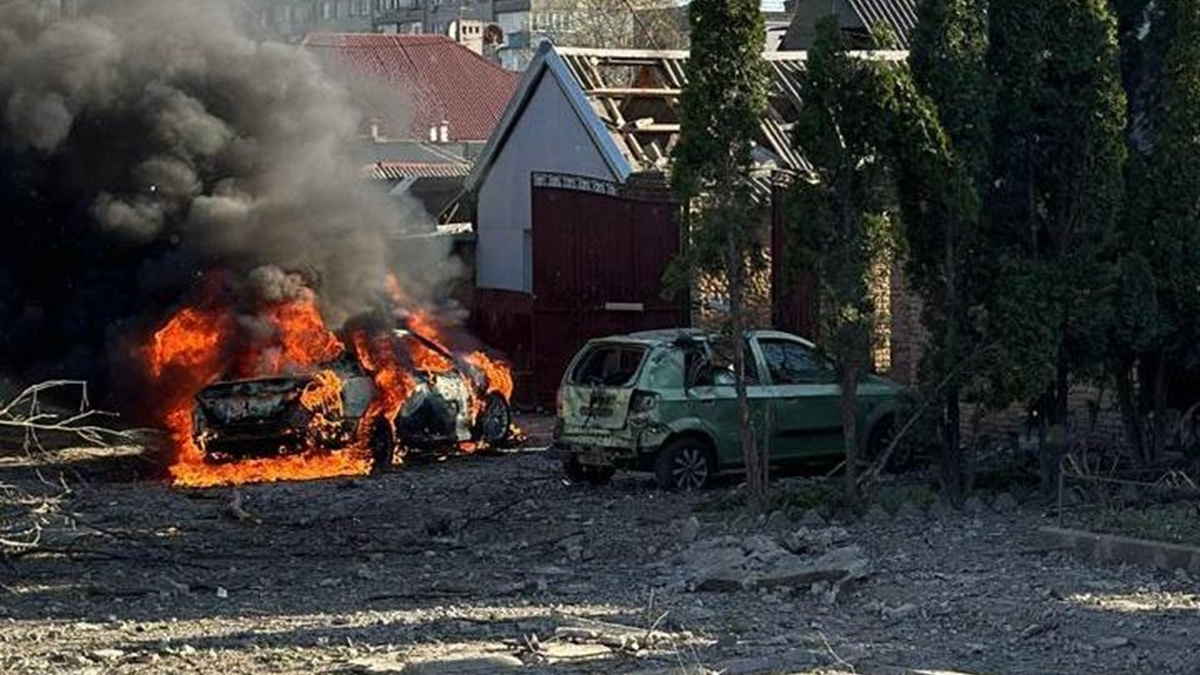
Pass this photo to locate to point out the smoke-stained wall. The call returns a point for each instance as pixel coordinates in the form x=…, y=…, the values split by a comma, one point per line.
x=145, y=145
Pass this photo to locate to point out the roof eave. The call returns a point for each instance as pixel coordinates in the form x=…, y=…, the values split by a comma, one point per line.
x=546, y=60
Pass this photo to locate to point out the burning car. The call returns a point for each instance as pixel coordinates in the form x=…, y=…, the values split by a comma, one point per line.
x=440, y=400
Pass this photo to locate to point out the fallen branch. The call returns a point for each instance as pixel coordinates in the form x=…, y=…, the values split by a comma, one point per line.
x=872, y=474
x=23, y=515
x=25, y=412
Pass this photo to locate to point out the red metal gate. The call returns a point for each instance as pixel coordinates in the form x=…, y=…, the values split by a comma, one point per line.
x=599, y=255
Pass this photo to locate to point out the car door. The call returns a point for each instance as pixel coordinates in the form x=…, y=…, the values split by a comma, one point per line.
x=804, y=399
x=713, y=399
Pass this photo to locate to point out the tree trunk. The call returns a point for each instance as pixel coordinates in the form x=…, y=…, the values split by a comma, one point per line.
x=951, y=464
x=850, y=429
x=1159, y=398
x=756, y=489
x=1130, y=412
x=951, y=455
x=1052, y=451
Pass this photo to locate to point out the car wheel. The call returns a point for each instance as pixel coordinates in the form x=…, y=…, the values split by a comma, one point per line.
x=581, y=473
x=382, y=444
x=684, y=464
x=494, y=421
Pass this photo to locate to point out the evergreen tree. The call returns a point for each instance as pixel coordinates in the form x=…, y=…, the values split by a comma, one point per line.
x=940, y=148
x=1158, y=322
x=1057, y=163
x=839, y=218
x=720, y=110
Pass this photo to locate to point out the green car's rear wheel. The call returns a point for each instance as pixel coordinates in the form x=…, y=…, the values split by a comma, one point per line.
x=684, y=464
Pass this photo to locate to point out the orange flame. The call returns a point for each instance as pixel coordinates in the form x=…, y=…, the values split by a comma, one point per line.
x=392, y=382
x=187, y=354
x=499, y=377
x=200, y=344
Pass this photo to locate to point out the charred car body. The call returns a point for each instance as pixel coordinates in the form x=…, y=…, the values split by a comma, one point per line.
x=325, y=409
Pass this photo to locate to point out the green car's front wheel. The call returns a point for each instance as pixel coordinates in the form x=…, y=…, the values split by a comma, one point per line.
x=684, y=464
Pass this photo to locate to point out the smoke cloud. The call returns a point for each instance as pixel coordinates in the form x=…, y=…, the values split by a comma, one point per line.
x=150, y=142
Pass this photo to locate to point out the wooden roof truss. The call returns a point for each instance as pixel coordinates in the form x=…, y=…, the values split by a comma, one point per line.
x=635, y=93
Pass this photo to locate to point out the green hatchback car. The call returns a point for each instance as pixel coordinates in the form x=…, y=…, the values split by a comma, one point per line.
x=663, y=401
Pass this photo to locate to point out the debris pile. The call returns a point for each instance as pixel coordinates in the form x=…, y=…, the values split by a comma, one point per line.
x=801, y=559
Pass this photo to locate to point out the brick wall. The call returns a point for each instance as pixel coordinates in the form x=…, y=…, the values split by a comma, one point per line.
x=1094, y=419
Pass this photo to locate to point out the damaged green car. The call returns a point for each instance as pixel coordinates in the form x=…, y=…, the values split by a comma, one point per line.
x=663, y=401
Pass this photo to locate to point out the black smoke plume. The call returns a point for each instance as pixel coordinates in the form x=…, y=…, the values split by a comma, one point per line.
x=148, y=143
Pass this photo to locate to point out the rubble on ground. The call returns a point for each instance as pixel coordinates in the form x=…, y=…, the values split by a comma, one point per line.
x=496, y=564
x=793, y=560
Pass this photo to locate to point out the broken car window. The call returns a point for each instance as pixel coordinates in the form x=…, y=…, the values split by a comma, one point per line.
x=721, y=360
x=792, y=363
x=610, y=364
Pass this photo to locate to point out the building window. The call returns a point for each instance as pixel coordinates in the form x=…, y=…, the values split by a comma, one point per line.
x=411, y=27
x=327, y=10
x=513, y=22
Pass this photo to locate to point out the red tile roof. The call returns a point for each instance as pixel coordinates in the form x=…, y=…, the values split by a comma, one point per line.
x=434, y=79
x=395, y=171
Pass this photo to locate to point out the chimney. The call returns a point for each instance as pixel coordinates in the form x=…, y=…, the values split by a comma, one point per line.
x=444, y=132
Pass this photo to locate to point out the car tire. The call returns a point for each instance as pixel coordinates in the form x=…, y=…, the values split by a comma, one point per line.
x=382, y=444
x=685, y=464
x=494, y=423
x=581, y=473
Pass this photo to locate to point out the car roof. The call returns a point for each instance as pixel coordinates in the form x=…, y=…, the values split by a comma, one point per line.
x=669, y=335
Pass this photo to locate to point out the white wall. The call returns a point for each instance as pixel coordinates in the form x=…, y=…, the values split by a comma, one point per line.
x=548, y=136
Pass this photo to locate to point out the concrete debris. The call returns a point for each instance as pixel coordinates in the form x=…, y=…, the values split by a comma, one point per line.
x=107, y=654
x=877, y=514
x=1112, y=643
x=1004, y=503
x=805, y=540
x=812, y=518
x=553, y=653
x=760, y=561
x=793, y=661
x=478, y=664
x=689, y=530
x=614, y=635
x=902, y=612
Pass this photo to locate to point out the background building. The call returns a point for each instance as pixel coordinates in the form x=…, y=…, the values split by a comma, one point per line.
x=291, y=20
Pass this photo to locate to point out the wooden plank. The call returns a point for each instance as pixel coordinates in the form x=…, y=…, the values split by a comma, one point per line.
x=629, y=92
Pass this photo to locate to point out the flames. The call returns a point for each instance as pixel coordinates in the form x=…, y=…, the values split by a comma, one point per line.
x=205, y=343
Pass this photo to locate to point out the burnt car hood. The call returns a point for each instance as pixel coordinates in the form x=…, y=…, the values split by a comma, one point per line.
x=257, y=401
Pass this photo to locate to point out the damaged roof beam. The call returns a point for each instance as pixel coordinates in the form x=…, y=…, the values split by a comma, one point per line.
x=624, y=92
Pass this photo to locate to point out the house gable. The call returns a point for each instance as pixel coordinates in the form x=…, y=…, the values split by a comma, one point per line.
x=544, y=130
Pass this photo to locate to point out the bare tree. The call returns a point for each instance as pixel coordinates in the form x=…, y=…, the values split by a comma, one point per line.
x=613, y=24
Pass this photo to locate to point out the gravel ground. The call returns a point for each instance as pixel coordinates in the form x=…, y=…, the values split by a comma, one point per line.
x=494, y=564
